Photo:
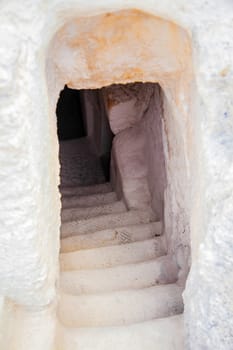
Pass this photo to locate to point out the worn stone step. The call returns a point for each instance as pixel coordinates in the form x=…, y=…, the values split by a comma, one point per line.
x=85, y=190
x=115, y=236
x=88, y=201
x=131, y=276
x=159, y=334
x=86, y=213
x=103, y=222
x=104, y=257
x=121, y=307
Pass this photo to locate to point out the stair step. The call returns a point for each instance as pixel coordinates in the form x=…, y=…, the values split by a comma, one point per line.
x=86, y=213
x=104, y=257
x=88, y=201
x=160, y=334
x=103, y=222
x=121, y=307
x=132, y=276
x=116, y=236
x=85, y=190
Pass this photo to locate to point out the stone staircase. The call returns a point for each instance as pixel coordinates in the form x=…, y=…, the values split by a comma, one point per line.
x=118, y=287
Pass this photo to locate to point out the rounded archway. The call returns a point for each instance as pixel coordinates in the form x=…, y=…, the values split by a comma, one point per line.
x=141, y=66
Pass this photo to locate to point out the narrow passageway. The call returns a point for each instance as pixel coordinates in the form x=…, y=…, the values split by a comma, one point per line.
x=125, y=236
x=115, y=270
x=79, y=159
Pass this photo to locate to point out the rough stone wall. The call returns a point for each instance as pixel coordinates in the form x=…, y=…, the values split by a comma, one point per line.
x=150, y=162
x=92, y=117
x=126, y=105
x=98, y=129
x=138, y=169
x=154, y=149
x=29, y=150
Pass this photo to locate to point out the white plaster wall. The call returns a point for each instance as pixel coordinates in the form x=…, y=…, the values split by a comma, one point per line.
x=177, y=197
x=154, y=148
x=27, y=327
x=29, y=162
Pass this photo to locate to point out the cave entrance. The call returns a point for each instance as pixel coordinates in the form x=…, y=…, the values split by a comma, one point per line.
x=115, y=229
x=88, y=120
x=125, y=249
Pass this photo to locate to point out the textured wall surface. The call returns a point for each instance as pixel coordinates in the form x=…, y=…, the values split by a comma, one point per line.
x=135, y=114
x=150, y=162
x=126, y=106
x=98, y=128
x=202, y=109
x=154, y=148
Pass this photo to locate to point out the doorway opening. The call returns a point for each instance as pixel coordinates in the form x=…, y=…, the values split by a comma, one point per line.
x=118, y=224
x=127, y=230
x=127, y=117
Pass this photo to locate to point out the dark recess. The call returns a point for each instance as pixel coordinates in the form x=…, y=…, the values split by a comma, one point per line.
x=70, y=124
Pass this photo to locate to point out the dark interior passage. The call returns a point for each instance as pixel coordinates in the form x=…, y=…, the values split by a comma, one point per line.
x=85, y=137
x=70, y=123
